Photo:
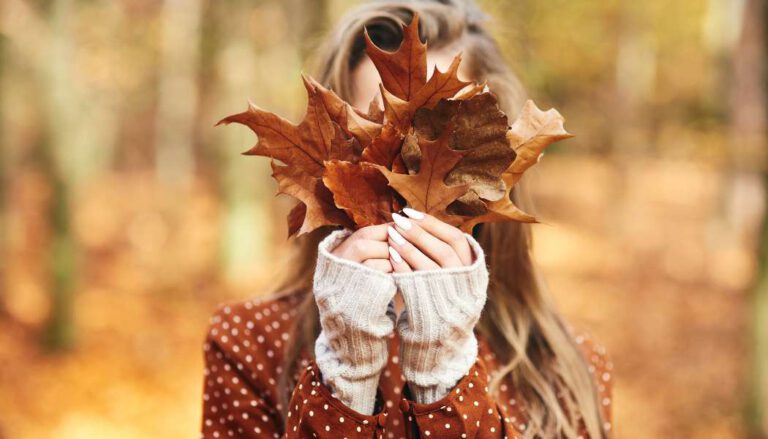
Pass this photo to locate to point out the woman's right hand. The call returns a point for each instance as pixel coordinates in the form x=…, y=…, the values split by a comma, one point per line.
x=367, y=246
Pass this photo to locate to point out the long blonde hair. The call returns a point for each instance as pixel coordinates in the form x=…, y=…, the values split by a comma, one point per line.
x=537, y=352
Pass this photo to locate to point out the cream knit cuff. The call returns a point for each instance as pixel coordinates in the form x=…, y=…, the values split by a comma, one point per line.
x=438, y=345
x=351, y=350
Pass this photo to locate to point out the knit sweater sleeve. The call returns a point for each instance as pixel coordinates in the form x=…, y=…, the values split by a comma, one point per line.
x=353, y=301
x=447, y=386
x=437, y=329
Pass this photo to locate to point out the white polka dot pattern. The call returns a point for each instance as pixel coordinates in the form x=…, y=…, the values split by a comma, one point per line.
x=243, y=358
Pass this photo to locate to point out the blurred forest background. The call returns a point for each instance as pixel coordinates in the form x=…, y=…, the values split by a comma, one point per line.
x=125, y=216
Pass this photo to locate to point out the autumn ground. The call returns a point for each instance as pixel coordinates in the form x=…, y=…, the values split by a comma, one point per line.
x=635, y=254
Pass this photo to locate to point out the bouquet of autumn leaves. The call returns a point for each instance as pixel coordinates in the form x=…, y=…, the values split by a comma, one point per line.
x=440, y=145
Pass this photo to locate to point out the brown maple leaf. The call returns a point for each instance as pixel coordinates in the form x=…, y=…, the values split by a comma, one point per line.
x=426, y=190
x=403, y=72
x=437, y=143
x=441, y=85
x=303, y=148
x=354, y=122
x=296, y=218
x=361, y=190
x=306, y=145
x=404, y=83
x=319, y=208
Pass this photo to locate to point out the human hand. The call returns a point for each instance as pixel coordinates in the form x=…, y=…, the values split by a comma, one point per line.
x=423, y=242
x=367, y=246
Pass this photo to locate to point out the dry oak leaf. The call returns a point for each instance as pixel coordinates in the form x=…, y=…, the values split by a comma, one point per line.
x=361, y=126
x=426, y=190
x=480, y=129
x=532, y=132
x=385, y=149
x=361, y=190
x=529, y=135
x=498, y=211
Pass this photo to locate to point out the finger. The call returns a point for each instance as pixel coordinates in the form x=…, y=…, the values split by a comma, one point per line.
x=374, y=233
x=443, y=231
x=379, y=264
x=358, y=250
x=410, y=254
x=398, y=263
x=436, y=249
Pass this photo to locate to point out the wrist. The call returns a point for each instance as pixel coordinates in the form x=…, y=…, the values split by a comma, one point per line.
x=433, y=372
x=438, y=344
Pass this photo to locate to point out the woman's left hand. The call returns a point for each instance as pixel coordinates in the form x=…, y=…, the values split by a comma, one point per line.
x=423, y=242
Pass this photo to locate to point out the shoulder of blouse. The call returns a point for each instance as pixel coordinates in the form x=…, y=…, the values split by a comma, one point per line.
x=252, y=333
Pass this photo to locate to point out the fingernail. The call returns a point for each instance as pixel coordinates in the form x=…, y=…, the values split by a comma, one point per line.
x=397, y=237
x=401, y=221
x=413, y=213
x=395, y=255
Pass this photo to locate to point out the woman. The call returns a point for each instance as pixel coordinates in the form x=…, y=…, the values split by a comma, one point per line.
x=462, y=350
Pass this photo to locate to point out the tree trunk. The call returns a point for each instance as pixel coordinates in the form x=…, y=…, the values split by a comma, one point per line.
x=56, y=80
x=749, y=108
x=3, y=175
x=242, y=182
x=757, y=397
x=179, y=90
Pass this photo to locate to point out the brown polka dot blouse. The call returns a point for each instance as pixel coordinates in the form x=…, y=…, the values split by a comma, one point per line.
x=243, y=356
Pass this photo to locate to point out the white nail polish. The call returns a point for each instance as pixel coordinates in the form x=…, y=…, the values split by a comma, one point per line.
x=413, y=213
x=401, y=221
x=397, y=237
x=395, y=255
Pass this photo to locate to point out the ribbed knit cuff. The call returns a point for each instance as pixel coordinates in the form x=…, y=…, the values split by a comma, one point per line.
x=351, y=350
x=438, y=345
x=356, y=392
